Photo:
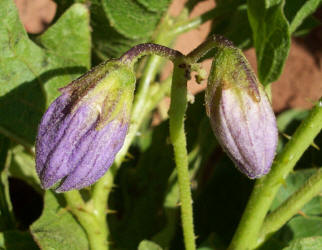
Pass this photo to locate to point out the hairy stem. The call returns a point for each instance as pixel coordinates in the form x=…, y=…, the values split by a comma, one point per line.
x=141, y=98
x=211, y=43
x=190, y=24
x=96, y=233
x=166, y=35
x=177, y=112
x=275, y=220
x=132, y=55
x=246, y=236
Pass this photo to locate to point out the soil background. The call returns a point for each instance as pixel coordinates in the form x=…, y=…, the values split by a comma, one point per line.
x=299, y=86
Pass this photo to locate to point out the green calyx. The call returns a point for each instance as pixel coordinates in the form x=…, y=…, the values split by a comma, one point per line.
x=230, y=70
x=107, y=89
x=116, y=91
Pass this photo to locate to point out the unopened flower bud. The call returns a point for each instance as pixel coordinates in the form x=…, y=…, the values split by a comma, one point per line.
x=85, y=127
x=240, y=112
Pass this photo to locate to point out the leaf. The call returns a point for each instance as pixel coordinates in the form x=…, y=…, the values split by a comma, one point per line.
x=130, y=18
x=302, y=227
x=213, y=211
x=231, y=24
x=271, y=37
x=297, y=229
x=293, y=182
x=107, y=42
x=296, y=11
x=308, y=24
x=30, y=74
x=139, y=199
x=271, y=3
x=57, y=228
x=6, y=214
x=148, y=245
x=23, y=167
x=310, y=243
x=231, y=3
x=74, y=51
x=155, y=5
x=211, y=243
x=13, y=240
x=287, y=117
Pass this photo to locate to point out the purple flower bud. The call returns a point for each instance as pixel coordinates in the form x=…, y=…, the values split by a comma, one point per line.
x=240, y=112
x=85, y=127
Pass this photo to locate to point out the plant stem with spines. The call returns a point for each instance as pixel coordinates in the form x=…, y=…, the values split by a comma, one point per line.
x=265, y=189
x=275, y=220
x=178, y=139
x=92, y=224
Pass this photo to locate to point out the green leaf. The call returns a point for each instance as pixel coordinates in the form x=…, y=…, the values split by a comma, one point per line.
x=130, y=18
x=23, y=167
x=287, y=117
x=293, y=182
x=297, y=229
x=13, y=240
x=310, y=243
x=142, y=186
x=302, y=227
x=299, y=226
x=211, y=243
x=296, y=11
x=155, y=5
x=107, y=42
x=308, y=24
x=271, y=3
x=148, y=245
x=214, y=212
x=231, y=3
x=231, y=24
x=30, y=74
x=6, y=214
x=271, y=37
x=73, y=29
x=57, y=228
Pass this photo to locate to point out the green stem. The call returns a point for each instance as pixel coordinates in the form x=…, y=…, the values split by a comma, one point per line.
x=156, y=94
x=246, y=236
x=214, y=41
x=145, y=49
x=100, y=199
x=151, y=69
x=177, y=112
x=153, y=64
x=96, y=233
x=141, y=97
x=186, y=25
x=276, y=219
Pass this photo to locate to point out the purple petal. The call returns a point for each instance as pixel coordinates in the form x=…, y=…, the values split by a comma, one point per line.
x=59, y=132
x=246, y=130
x=93, y=155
